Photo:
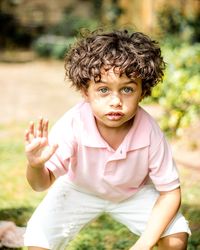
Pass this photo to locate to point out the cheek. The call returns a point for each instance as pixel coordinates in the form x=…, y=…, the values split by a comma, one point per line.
x=97, y=101
x=97, y=104
x=131, y=105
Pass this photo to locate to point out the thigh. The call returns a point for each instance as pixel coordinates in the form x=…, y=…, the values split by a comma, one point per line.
x=177, y=241
x=62, y=213
x=135, y=212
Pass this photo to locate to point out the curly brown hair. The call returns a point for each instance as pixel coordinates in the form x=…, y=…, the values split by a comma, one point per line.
x=135, y=55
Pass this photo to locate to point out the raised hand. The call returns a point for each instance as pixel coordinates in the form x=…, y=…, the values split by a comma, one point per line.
x=37, y=147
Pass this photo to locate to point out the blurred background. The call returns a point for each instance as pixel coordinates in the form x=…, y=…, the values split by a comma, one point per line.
x=34, y=37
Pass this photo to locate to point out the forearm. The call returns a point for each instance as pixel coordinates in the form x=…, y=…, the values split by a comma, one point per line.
x=39, y=178
x=163, y=212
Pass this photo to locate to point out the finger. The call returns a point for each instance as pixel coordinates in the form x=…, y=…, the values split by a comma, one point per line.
x=34, y=145
x=31, y=130
x=45, y=128
x=48, y=153
x=39, y=131
x=29, y=133
x=53, y=149
x=26, y=137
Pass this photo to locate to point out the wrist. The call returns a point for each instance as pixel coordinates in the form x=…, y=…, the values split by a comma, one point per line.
x=142, y=243
x=35, y=166
x=147, y=241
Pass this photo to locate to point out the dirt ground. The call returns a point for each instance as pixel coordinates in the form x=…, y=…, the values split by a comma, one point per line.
x=38, y=88
x=33, y=89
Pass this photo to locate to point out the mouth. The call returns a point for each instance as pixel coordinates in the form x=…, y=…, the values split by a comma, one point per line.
x=114, y=116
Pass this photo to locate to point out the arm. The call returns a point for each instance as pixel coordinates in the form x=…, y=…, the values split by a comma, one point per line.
x=38, y=151
x=163, y=212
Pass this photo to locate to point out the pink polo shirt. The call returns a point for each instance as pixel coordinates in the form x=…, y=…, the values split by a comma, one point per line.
x=90, y=163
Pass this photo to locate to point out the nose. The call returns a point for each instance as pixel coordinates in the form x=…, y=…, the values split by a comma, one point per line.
x=115, y=100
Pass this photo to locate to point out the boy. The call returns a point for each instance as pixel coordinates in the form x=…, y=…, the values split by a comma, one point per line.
x=109, y=154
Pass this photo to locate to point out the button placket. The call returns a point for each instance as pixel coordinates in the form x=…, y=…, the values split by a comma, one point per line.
x=112, y=162
x=110, y=167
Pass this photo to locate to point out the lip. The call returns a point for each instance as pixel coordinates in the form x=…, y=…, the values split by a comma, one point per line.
x=114, y=116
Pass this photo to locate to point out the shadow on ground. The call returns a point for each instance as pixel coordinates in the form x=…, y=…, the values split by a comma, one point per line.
x=18, y=215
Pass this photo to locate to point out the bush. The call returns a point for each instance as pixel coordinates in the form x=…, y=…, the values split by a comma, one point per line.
x=179, y=93
x=13, y=33
x=58, y=38
x=172, y=23
x=52, y=46
x=70, y=25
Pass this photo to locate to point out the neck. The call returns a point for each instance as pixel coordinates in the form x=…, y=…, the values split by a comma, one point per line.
x=115, y=136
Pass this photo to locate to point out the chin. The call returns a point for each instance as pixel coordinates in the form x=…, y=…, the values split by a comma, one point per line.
x=114, y=124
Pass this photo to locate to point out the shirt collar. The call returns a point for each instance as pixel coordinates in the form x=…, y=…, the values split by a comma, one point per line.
x=139, y=134
x=90, y=135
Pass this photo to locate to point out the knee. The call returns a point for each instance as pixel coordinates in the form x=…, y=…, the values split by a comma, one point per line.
x=174, y=242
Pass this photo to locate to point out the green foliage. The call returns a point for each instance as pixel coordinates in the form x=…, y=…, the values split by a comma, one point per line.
x=179, y=94
x=17, y=200
x=112, y=12
x=71, y=24
x=19, y=215
x=58, y=38
x=52, y=46
x=173, y=23
x=103, y=234
x=192, y=213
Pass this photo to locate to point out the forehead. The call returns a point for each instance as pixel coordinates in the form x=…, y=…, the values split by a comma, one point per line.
x=114, y=74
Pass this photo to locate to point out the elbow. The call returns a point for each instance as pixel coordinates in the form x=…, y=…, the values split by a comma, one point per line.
x=172, y=197
x=37, y=187
x=39, y=180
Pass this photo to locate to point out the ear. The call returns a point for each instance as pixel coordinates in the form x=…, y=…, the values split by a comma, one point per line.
x=84, y=94
x=141, y=98
x=143, y=95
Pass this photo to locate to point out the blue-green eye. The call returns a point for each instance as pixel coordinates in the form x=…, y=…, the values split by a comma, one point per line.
x=127, y=90
x=103, y=90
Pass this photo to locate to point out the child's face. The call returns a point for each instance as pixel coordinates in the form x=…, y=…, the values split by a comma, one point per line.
x=114, y=100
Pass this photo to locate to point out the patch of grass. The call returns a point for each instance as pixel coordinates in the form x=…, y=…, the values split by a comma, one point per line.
x=103, y=234
x=19, y=215
x=15, y=192
x=18, y=200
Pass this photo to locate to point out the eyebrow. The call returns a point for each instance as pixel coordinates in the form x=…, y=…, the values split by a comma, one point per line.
x=130, y=81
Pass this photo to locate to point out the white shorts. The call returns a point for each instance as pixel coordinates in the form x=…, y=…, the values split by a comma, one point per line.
x=66, y=210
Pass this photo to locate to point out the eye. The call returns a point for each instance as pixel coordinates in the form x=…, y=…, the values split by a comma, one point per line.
x=103, y=90
x=127, y=90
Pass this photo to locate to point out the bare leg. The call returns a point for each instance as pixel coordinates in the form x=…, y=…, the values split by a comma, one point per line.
x=173, y=242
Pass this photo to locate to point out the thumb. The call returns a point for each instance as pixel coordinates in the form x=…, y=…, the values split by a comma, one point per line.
x=48, y=153
x=53, y=149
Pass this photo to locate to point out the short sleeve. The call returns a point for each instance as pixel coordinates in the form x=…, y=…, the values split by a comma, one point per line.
x=63, y=135
x=163, y=170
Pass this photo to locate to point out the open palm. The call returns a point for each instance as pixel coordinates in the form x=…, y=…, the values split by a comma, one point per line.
x=37, y=147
